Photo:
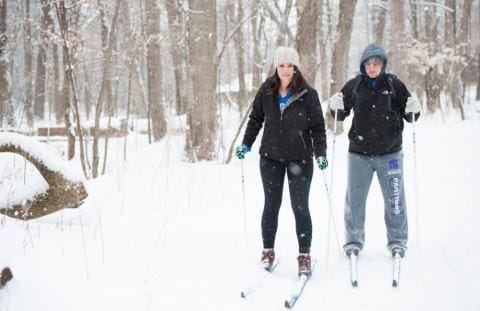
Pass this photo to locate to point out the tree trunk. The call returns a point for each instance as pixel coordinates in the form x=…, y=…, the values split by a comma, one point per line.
x=307, y=38
x=28, y=64
x=41, y=72
x=176, y=26
x=154, y=68
x=62, y=192
x=325, y=40
x=432, y=77
x=130, y=60
x=478, y=76
x=257, y=22
x=70, y=81
x=87, y=94
x=58, y=103
x=342, y=45
x=4, y=84
x=398, y=39
x=379, y=14
x=239, y=44
x=340, y=54
x=282, y=37
x=463, y=51
x=202, y=102
x=108, y=40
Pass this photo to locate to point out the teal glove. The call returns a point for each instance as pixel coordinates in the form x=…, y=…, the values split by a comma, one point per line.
x=322, y=162
x=241, y=150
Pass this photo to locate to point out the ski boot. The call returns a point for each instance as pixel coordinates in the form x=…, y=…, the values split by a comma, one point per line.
x=304, y=264
x=268, y=257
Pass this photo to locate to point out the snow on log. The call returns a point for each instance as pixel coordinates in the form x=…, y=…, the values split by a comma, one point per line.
x=66, y=189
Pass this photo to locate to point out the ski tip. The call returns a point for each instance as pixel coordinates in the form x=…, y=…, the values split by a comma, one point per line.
x=288, y=305
x=395, y=283
x=355, y=283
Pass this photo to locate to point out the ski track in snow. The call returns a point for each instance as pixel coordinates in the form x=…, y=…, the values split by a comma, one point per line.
x=162, y=234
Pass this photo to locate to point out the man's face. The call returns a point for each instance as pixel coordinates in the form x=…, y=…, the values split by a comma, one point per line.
x=373, y=66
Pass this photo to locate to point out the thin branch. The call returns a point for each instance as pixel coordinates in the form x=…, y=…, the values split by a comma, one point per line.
x=232, y=33
x=435, y=4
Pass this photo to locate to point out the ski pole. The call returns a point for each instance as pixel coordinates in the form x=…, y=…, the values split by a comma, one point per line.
x=330, y=216
x=331, y=219
x=415, y=181
x=244, y=206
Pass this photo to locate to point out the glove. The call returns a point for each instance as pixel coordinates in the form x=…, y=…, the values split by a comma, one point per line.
x=336, y=102
x=412, y=105
x=322, y=162
x=241, y=150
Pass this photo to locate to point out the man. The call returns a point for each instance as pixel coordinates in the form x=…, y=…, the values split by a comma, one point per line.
x=380, y=102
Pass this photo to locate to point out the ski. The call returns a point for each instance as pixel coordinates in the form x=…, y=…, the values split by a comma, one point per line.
x=298, y=289
x=5, y=276
x=396, y=269
x=352, y=259
x=260, y=282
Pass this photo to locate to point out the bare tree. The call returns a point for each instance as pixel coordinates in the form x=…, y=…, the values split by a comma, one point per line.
x=69, y=81
x=257, y=23
x=432, y=79
x=342, y=45
x=176, y=27
x=240, y=51
x=4, y=84
x=397, y=44
x=283, y=30
x=202, y=103
x=378, y=12
x=58, y=103
x=28, y=55
x=324, y=43
x=105, y=95
x=462, y=43
x=340, y=52
x=478, y=75
x=307, y=38
x=131, y=59
x=41, y=71
x=154, y=64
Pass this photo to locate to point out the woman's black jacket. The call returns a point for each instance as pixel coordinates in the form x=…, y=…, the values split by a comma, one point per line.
x=296, y=134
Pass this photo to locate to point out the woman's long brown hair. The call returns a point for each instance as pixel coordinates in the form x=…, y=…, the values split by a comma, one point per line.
x=297, y=84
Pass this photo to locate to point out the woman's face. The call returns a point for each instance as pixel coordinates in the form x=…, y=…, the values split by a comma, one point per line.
x=373, y=66
x=285, y=73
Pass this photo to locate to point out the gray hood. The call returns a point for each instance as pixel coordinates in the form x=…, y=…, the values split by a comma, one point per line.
x=373, y=49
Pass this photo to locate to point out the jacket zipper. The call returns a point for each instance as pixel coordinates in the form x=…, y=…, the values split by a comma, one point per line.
x=289, y=103
x=303, y=141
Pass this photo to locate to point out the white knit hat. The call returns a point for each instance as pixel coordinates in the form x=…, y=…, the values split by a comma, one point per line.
x=285, y=55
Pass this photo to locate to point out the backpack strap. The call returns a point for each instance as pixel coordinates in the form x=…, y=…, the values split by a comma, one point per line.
x=391, y=89
x=356, y=86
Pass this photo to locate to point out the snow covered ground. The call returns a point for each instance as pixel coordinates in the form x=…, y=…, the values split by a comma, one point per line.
x=157, y=233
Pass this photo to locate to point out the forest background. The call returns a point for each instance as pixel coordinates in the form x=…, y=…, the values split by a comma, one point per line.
x=89, y=65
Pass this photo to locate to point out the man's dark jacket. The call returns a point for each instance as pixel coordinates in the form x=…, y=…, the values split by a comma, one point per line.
x=296, y=134
x=377, y=123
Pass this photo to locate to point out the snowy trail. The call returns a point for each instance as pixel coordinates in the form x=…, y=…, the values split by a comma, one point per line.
x=160, y=234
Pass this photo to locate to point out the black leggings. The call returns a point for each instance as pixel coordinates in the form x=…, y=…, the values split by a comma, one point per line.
x=299, y=175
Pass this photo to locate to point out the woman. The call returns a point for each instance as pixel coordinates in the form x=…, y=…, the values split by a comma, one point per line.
x=294, y=131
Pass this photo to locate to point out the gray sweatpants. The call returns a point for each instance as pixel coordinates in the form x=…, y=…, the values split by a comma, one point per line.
x=389, y=169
